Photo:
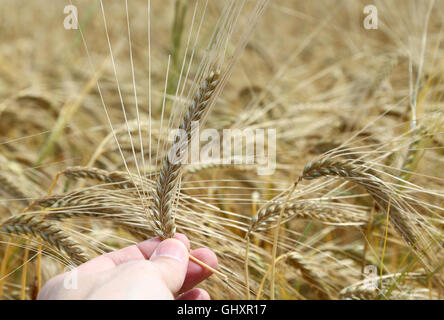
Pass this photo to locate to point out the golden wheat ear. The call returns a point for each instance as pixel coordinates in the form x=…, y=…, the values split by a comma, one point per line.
x=163, y=196
x=372, y=184
x=34, y=226
x=310, y=210
x=163, y=219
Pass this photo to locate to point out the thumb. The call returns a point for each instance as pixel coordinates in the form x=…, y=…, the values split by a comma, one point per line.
x=171, y=260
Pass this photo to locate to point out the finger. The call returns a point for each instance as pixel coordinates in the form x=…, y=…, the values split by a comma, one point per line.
x=147, y=247
x=140, y=251
x=195, y=294
x=196, y=273
x=171, y=261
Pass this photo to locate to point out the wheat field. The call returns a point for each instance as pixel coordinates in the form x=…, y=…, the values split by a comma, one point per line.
x=353, y=205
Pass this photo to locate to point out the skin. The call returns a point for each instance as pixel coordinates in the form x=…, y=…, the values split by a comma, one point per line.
x=152, y=269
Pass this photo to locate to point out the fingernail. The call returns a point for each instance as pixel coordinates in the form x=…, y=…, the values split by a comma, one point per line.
x=171, y=248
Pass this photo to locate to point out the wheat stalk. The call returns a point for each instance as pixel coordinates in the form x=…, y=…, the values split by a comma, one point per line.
x=163, y=219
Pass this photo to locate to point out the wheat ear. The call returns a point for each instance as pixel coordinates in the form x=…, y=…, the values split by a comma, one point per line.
x=121, y=179
x=414, y=152
x=373, y=185
x=304, y=210
x=31, y=225
x=373, y=288
x=163, y=219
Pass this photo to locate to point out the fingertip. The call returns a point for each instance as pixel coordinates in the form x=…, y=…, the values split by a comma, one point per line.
x=147, y=247
x=171, y=248
x=183, y=238
x=171, y=260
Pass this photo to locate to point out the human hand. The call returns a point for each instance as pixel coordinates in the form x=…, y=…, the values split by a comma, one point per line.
x=152, y=269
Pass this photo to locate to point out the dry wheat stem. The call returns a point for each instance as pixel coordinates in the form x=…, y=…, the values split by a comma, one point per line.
x=276, y=239
x=163, y=219
x=24, y=273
